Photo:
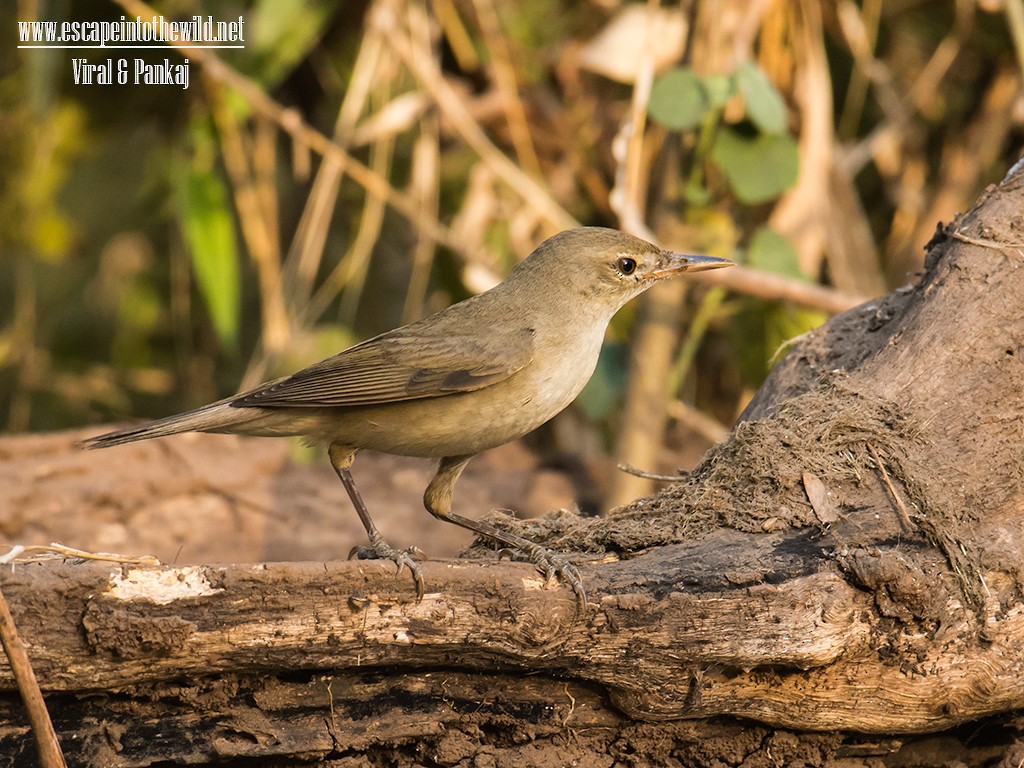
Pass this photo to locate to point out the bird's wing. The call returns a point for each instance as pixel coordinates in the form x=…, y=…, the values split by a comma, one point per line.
x=399, y=366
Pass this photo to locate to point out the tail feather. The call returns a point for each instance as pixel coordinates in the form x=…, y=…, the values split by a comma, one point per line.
x=215, y=417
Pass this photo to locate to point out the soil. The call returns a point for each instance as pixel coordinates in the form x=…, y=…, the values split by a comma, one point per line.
x=229, y=499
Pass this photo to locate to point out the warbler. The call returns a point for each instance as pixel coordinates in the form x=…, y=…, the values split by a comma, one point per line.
x=473, y=376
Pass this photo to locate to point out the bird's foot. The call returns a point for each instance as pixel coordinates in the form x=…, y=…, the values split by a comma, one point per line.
x=553, y=565
x=402, y=558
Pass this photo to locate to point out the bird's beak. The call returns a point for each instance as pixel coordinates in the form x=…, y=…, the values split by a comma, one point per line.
x=671, y=264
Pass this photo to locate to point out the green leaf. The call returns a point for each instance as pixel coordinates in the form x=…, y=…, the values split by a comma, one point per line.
x=758, y=168
x=678, y=100
x=205, y=215
x=765, y=106
x=772, y=252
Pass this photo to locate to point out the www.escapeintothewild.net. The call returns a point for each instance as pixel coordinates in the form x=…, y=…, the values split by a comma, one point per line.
x=197, y=32
x=155, y=30
x=130, y=72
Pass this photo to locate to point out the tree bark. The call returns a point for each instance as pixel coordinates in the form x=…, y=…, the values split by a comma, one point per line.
x=847, y=564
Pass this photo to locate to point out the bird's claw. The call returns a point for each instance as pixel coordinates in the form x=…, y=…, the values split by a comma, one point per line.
x=552, y=565
x=557, y=566
x=381, y=550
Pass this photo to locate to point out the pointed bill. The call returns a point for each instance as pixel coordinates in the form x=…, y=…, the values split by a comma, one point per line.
x=671, y=264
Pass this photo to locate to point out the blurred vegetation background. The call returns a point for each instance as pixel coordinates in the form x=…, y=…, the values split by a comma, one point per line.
x=360, y=164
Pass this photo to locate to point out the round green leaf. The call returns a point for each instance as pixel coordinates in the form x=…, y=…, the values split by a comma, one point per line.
x=765, y=106
x=758, y=168
x=678, y=100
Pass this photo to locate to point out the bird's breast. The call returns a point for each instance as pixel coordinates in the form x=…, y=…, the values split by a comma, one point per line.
x=470, y=422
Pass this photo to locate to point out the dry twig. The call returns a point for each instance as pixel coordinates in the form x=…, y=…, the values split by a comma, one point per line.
x=301, y=132
x=900, y=506
x=24, y=554
x=50, y=754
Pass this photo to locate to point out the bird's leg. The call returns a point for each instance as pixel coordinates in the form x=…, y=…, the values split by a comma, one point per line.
x=438, y=501
x=341, y=457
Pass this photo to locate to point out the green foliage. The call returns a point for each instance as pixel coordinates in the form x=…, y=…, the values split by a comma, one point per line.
x=679, y=100
x=758, y=160
x=773, y=252
x=760, y=330
x=206, y=220
x=758, y=168
x=765, y=106
x=283, y=32
x=46, y=227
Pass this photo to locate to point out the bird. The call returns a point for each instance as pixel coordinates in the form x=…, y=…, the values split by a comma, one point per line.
x=473, y=376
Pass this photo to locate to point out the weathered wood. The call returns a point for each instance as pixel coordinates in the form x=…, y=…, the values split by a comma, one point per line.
x=670, y=634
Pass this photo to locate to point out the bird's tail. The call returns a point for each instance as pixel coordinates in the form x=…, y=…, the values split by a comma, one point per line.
x=215, y=417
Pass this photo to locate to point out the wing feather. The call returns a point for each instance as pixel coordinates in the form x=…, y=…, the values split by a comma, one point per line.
x=405, y=364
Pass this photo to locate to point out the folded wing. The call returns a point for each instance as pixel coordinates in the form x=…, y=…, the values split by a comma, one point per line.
x=399, y=366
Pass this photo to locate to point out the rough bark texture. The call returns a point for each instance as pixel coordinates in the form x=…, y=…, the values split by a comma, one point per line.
x=841, y=575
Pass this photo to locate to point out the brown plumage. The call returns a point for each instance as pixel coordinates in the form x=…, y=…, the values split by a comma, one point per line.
x=473, y=376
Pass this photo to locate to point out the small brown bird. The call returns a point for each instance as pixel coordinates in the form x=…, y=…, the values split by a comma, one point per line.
x=473, y=376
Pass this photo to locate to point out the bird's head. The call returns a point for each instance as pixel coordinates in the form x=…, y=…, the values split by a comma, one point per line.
x=605, y=266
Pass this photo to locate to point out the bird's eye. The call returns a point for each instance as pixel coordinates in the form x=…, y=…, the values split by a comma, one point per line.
x=626, y=265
